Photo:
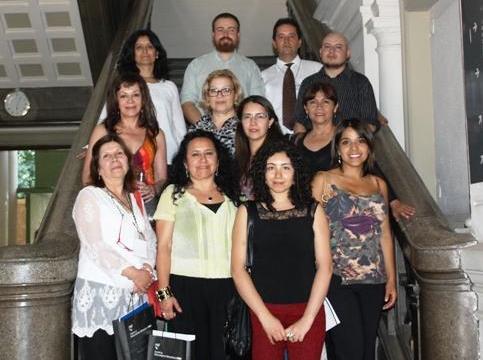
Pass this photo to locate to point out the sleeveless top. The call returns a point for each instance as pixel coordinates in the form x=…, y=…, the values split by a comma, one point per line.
x=355, y=236
x=143, y=160
x=318, y=160
x=283, y=254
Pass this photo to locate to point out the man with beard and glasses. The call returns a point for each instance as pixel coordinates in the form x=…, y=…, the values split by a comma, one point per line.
x=226, y=37
x=354, y=91
x=286, y=42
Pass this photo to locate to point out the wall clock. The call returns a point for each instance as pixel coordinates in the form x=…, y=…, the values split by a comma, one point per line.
x=16, y=103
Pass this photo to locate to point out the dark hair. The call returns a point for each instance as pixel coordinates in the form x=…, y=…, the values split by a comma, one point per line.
x=329, y=92
x=224, y=178
x=242, y=148
x=147, y=117
x=286, y=21
x=319, y=86
x=299, y=193
x=225, y=15
x=96, y=179
x=127, y=64
x=363, y=130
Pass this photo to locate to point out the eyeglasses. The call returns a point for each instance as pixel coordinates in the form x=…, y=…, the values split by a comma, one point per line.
x=256, y=117
x=223, y=92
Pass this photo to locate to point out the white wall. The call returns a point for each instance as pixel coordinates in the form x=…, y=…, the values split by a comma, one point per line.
x=449, y=109
x=184, y=26
x=345, y=17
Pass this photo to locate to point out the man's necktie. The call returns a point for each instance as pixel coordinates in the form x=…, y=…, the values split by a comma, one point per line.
x=288, y=98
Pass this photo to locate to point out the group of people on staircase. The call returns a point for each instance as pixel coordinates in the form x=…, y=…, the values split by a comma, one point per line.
x=172, y=186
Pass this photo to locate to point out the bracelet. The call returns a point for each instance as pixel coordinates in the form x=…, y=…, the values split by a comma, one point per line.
x=164, y=293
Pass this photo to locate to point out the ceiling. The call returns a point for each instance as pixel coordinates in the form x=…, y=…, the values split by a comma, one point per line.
x=42, y=44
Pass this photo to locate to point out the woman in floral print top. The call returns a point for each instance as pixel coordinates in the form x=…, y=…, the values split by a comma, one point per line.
x=364, y=280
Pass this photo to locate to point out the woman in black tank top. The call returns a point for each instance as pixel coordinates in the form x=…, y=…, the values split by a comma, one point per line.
x=291, y=258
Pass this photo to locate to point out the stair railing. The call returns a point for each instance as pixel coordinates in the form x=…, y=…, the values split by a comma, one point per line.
x=435, y=317
x=36, y=280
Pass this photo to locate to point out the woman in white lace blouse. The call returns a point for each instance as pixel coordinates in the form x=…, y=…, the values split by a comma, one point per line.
x=117, y=249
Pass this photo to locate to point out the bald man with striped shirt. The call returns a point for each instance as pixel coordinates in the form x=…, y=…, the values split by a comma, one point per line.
x=356, y=97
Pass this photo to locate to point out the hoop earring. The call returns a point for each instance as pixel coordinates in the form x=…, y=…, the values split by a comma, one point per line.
x=187, y=173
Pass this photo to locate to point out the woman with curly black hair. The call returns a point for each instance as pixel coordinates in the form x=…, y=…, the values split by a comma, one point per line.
x=291, y=258
x=194, y=222
x=144, y=54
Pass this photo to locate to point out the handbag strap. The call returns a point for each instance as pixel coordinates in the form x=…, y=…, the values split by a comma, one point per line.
x=251, y=213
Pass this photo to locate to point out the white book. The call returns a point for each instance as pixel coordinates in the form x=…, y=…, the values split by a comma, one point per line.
x=172, y=335
x=331, y=318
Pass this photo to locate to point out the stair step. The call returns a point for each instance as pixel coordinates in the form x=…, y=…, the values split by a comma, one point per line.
x=263, y=62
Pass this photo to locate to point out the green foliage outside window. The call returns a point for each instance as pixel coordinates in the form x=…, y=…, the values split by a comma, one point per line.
x=26, y=168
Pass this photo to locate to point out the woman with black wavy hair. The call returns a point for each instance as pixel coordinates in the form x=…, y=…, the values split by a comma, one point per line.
x=291, y=258
x=130, y=61
x=144, y=54
x=194, y=222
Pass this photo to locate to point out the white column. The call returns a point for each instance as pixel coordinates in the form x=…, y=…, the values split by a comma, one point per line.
x=385, y=26
x=12, y=198
x=371, y=59
x=4, y=198
x=8, y=198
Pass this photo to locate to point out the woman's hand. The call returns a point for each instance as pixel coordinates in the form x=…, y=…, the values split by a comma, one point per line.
x=273, y=328
x=390, y=295
x=148, y=192
x=149, y=269
x=169, y=308
x=402, y=210
x=141, y=278
x=296, y=331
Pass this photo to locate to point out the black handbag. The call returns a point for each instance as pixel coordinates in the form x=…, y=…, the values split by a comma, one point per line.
x=238, y=333
x=131, y=332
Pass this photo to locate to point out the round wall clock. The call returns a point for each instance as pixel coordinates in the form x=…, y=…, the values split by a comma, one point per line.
x=16, y=103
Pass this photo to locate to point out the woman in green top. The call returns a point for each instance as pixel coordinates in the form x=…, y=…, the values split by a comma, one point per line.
x=194, y=222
